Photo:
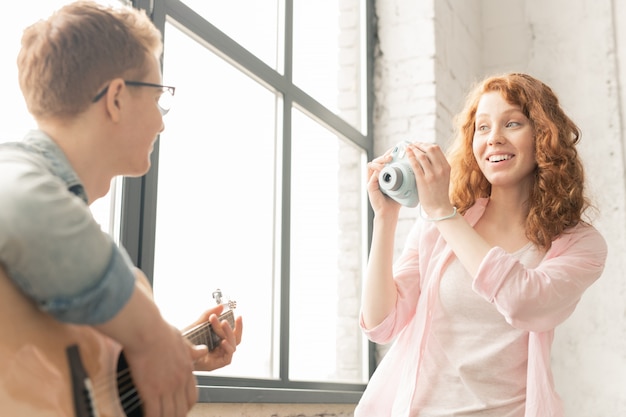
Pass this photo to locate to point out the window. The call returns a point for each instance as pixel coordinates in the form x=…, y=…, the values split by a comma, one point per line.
x=257, y=188
x=215, y=199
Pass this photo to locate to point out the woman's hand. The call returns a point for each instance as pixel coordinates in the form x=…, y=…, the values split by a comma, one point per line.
x=432, y=175
x=381, y=204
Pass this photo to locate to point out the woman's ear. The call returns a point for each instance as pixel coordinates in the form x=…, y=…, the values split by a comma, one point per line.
x=114, y=98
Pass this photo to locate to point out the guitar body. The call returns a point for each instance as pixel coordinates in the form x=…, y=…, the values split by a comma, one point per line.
x=35, y=378
x=53, y=369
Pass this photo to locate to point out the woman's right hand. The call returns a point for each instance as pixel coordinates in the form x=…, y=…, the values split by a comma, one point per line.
x=381, y=204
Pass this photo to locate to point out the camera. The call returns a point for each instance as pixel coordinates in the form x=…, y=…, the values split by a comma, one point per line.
x=397, y=179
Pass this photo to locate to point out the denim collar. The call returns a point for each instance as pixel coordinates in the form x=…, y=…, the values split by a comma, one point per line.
x=39, y=142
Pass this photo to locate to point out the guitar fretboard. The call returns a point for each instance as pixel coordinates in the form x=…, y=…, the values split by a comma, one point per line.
x=203, y=334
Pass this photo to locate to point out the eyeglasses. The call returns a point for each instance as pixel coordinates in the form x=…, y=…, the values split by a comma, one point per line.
x=165, y=100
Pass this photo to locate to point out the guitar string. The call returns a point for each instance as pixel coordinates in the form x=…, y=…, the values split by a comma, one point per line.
x=123, y=378
x=120, y=382
x=201, y=332
x=130, y=398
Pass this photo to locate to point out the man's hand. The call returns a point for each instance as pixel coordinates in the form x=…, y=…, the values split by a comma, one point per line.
x=160, y=359
x=163, y=374
x=222, y=355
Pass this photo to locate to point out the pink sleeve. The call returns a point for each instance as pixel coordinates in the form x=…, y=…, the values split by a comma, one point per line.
x=406, y=274
x=541, y=298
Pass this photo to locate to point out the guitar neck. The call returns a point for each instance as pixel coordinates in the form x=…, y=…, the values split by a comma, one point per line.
x=203, y=334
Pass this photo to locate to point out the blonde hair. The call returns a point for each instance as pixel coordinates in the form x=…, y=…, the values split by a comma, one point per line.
x=66, y=58
x=557, y=200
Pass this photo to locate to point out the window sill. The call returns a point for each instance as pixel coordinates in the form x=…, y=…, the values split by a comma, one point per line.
x=236, y=392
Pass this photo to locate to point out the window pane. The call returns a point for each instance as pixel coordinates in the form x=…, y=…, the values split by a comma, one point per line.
x=107, y=210
x=327, y=55
x=253, y=24
x=215, y=203
x=327, y=256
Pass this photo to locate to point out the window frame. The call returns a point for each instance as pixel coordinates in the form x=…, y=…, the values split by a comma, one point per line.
x=139, y=197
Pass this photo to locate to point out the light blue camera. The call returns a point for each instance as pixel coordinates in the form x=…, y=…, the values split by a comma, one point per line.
x=397, y=179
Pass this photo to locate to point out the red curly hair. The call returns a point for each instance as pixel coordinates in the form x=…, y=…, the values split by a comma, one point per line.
x=557, y=199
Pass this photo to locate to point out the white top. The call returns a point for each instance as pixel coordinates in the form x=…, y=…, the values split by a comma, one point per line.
x=474, y=362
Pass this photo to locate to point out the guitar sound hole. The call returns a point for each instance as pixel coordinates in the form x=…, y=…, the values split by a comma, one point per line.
x=127, y=393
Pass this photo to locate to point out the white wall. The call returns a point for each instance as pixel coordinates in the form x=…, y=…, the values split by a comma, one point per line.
x=404, y=79
x=573, y=47
x=430, y=52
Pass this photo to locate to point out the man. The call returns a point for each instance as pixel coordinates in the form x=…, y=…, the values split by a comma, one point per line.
x=91, y=78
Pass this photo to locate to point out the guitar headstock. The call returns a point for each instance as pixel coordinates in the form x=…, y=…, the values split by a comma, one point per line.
x=219, y=298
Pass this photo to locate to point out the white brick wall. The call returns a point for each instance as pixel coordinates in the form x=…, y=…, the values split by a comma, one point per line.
x=431, y=51
x=575, y=52
x=404, y=79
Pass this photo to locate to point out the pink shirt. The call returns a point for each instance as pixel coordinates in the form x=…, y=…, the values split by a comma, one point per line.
x=531, y=299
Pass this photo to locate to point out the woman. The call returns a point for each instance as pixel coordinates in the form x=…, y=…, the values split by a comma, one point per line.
x=498, y=257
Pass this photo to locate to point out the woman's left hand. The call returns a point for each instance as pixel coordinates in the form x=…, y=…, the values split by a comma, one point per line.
x=432, y=175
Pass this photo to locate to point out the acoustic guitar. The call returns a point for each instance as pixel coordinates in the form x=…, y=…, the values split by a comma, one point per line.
x=54, y=369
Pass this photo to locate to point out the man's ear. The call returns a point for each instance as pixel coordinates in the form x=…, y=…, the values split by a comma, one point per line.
x=114, y=98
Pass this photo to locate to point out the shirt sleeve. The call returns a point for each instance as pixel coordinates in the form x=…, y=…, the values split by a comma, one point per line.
x=407, y=277
x=538, y=299
x=54, y=250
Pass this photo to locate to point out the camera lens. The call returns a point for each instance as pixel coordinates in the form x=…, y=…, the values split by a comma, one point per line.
x=390, y=178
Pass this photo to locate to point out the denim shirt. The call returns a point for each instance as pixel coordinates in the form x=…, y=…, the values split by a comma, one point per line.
x=50, y=244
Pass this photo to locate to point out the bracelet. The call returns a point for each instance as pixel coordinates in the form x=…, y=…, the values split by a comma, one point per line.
x=437, y=219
